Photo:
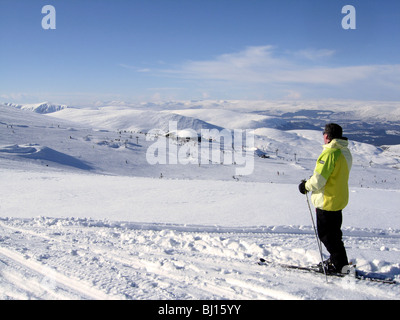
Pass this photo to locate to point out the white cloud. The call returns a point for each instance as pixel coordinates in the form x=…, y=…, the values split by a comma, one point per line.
x=326, y=75
x=314, y=54
x=126, y=66
x=289, y=72
x=266, y=71
x=254, y=64
x=293, y=95
x=260, y=64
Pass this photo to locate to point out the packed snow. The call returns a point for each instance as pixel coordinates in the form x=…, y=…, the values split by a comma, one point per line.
x=84, y=215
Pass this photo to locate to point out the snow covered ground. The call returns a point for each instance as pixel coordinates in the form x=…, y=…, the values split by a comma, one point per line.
x=83, y=215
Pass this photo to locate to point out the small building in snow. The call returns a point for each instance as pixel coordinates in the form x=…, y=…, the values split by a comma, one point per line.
x=184, y=135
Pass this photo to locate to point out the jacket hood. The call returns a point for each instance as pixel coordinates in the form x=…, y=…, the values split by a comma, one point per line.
x=337, y=144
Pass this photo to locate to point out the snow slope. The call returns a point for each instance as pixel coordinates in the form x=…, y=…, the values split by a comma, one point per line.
x=54, y=258
x=83, y=215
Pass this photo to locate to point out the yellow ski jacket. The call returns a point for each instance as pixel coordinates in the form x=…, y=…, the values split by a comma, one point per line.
x=329, y=183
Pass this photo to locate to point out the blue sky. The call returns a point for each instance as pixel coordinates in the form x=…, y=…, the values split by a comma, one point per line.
x=147, y=50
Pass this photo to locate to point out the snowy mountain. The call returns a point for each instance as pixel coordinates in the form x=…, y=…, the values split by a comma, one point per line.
x=44, y=107
x=117, y=118
x=86, y=215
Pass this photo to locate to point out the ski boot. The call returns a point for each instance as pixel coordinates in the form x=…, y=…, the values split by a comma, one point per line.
x=349, y=269
x=327, y=265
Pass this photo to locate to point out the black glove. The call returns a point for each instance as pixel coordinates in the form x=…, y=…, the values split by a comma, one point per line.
x=302, y=187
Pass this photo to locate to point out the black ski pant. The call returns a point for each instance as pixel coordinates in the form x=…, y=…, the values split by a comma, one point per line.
x=329, y=232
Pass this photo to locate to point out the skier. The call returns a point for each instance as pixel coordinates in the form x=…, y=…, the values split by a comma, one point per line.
x=330, y=194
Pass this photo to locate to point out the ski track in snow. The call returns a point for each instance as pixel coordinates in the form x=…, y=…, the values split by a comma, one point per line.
x=69, y=258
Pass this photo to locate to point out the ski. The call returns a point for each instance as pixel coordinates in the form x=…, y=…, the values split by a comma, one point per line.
x=358, y=274
x=373, y=276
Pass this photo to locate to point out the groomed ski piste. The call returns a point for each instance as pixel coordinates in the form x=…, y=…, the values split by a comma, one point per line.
x=83, y=215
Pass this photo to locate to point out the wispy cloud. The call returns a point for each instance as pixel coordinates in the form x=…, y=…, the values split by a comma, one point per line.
x=254, y=64
x=295, y=71
x=314, y=54
x=137, y=69
x=262, y=64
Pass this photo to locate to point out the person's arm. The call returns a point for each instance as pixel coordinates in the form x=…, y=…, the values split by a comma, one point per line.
x=323, y=169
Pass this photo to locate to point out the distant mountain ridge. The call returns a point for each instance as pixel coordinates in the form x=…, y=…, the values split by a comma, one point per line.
x=42, y=108
x=376, y=123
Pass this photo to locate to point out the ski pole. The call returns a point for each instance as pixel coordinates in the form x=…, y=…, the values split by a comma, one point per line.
x=316, y=236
